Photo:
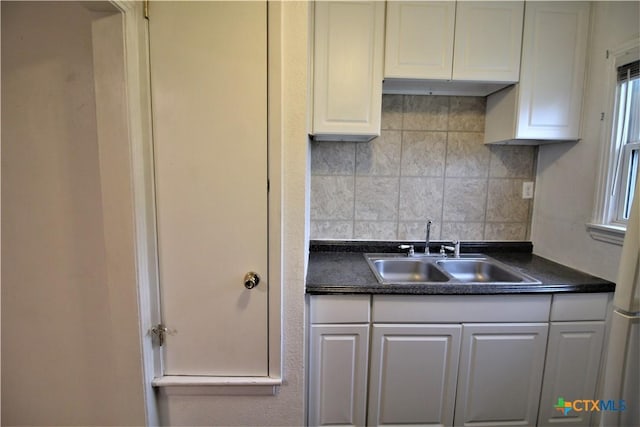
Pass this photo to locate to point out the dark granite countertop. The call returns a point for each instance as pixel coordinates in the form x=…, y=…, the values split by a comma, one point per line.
x=340, y=268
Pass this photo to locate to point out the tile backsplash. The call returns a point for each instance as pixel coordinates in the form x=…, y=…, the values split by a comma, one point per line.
x=428, y=163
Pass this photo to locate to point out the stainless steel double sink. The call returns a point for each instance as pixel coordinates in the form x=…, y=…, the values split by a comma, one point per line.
x=438, y=269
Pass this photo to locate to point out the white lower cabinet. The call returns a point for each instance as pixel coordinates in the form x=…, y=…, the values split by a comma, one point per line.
x=338, y=375
x=338, y=359
x=571, y=372
x=413, y=374
x=453, y=360
x=500, y=374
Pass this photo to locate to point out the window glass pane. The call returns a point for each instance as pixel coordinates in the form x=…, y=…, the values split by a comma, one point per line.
x=633, y=111
x=630, y=188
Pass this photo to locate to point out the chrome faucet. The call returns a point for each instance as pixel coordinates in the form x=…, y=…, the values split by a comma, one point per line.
x=455, y=249
x=428, y=237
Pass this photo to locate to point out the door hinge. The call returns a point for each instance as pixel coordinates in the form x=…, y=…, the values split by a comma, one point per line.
x=607, y=54
x=268, y=186
x=145, y=7
x=160, y=332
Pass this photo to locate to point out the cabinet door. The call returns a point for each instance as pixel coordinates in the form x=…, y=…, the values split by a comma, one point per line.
x=413, y=374
x=571, y=371
x=209, y=74
x=488, y=39
x=419, y=39
x=500, y=374
x=553, y=70
x=338, y=374
x=348, y=65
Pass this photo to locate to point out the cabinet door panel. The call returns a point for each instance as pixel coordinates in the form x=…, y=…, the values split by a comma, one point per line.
x=209, y=74
x=419, y=39
x=413, y=374
x=348, y=67
x=338, y=374
x=552, y=80
x=571, y=371
x=488, y=40
x=500, y=374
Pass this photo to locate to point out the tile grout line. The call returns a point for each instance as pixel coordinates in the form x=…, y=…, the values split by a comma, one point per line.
x=486, y=200
x=353, y=212
x=532, y=174
x=400, y=169
x=444, y=172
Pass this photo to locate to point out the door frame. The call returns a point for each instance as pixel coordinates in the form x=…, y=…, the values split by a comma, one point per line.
x=141, y=147
x=141, y=171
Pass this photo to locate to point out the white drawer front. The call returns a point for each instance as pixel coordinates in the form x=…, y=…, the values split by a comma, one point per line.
x=570, y=307
x=461, y=308
x=340, y=308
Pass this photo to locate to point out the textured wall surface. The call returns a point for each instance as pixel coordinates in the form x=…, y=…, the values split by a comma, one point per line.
x=70, y=337
x=428, y=163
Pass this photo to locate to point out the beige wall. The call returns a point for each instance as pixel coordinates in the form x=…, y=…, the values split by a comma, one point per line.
x=567, y=172
x=287, y=407
x=70, y=334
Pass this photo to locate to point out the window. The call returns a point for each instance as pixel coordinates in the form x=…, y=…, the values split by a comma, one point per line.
x=626, y=138
x=621, y=156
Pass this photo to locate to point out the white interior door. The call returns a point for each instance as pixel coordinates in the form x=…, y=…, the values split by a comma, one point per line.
x=209, y=98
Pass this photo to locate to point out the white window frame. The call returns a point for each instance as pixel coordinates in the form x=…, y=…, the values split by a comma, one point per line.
x=605, y=224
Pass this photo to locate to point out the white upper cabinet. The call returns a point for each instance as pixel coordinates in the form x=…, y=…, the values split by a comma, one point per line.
x=347, y=70
x=546, y=105
x=419, y=39
x=488, y=39
x=467, y=41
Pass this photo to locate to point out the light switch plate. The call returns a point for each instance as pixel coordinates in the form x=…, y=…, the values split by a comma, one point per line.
x=527, y=190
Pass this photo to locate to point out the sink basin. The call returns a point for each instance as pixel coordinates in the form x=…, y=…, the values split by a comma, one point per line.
x=469, y=269
x=407, y=270
x=479, y=271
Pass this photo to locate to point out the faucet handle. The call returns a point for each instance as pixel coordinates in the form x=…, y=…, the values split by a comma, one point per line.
x=410, y=247
x=455, y=248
